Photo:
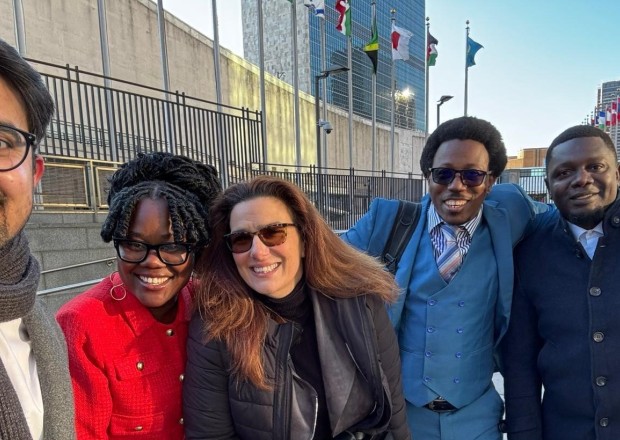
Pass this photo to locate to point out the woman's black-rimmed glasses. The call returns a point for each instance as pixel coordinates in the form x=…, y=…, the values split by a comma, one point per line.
x=445, y=176
x=14, y=145
x=270, y=235
x=172, y=254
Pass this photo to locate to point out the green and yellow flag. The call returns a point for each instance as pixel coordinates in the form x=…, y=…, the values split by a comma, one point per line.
x=372, y=48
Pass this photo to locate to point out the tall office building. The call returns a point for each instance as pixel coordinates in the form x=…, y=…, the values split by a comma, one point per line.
x=409, y=75
x=608, y=93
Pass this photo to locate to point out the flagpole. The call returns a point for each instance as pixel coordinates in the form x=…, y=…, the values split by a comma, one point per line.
x=261, y=63
x=374, y=98
x=428, y=26
x=350, y=88
x=323, y=68
x=466, y=67
x=105, y=61
x=392, y=87
x=20, y=34
x=296, y=82
x=218, y=92
x=617, y=121
x=216, y=56
x=163, y=49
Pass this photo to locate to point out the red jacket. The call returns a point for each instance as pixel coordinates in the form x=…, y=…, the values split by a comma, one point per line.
x=126, y=367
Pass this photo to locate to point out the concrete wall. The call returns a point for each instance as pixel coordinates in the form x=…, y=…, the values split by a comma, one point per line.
x=67, y=32
x=61, y=240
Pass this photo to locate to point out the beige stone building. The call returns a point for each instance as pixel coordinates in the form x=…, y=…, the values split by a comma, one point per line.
x=528, y=158
x=67, y=32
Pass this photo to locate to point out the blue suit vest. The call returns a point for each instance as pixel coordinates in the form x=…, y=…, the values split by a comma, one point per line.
x=446, y=339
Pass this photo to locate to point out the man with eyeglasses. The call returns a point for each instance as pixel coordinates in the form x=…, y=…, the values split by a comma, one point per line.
x=457, y=276
x=36, y=400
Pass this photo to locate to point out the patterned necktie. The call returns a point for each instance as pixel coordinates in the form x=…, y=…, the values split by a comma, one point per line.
x=450, y=260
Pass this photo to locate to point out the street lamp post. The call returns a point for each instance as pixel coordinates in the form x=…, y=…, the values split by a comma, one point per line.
x=443, y=99
x=324, y=74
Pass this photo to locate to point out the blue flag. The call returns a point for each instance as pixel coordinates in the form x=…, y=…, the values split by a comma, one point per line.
x=472, y=48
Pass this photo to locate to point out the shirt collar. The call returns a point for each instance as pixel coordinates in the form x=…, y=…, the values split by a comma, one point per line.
x=578, y=230
x=435, y=220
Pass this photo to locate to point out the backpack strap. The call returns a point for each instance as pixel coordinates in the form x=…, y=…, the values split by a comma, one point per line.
x=404, y=224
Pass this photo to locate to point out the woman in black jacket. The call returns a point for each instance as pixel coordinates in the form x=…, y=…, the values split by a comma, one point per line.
x=292, y=339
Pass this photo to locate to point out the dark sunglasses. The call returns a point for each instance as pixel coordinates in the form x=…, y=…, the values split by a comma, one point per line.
x=270, y=235
x=445, y=176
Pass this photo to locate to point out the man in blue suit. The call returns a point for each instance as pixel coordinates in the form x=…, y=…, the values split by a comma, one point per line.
x=457, y=278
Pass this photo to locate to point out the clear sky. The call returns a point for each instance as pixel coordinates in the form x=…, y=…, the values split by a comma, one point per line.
x=537, y=74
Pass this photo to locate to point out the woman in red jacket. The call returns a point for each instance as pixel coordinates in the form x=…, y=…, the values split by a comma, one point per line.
x=126, y=336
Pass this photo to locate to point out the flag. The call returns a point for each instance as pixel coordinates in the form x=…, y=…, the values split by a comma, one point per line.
x=343, y=7
x=431, y=49
x=400, y=43
x=608, y=117
x=317, y=6
x=601, y=120
x=614, y=113
x=372, y=48
x=472, y=49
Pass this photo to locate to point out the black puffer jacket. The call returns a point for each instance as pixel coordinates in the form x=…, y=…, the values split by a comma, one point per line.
x=361, y=373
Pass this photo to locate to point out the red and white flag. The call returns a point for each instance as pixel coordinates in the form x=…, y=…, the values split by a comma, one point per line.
x=400, y=43
x=343, y=8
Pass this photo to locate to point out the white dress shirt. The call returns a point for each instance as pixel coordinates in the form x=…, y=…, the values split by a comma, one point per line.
x=587, y=237
x=19, y=362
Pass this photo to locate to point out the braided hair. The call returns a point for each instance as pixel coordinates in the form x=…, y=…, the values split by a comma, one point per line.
x=189, y=187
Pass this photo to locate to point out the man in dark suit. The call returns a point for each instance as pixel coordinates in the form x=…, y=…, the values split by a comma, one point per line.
x=564, y=332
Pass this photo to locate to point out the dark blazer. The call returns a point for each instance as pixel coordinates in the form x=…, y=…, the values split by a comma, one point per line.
x=359, y=359
x=564, y=335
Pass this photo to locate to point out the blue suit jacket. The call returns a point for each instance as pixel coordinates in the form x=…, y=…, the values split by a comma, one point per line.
x=507, y=212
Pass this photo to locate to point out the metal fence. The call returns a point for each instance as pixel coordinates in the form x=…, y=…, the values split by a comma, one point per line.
x=110, y=120
x=342, y=196
x=102, y=122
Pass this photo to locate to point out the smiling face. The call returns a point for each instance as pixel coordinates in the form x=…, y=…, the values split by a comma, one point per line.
x=153, y=282
x=457, y=203
x=583, y=180
x=271, y=271
x=16, y=186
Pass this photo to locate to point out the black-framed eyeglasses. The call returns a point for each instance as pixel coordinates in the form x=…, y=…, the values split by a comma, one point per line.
x=270, y=235
x=172, y=254
x=445, y=176
x=14, y=145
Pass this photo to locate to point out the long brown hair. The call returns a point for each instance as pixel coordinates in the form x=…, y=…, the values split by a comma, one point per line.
x=224, y=300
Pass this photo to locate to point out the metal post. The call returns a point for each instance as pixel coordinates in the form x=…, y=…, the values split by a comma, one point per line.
x=218, y=90
x=350, y=89
x=296, y=83
x=317, y=115
x=466, y=68
x=324, y=67
x=20, y=33
x=263, y=101
x=392, y=96
x=105, y=60
x=427, y=88
x=163, y=49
